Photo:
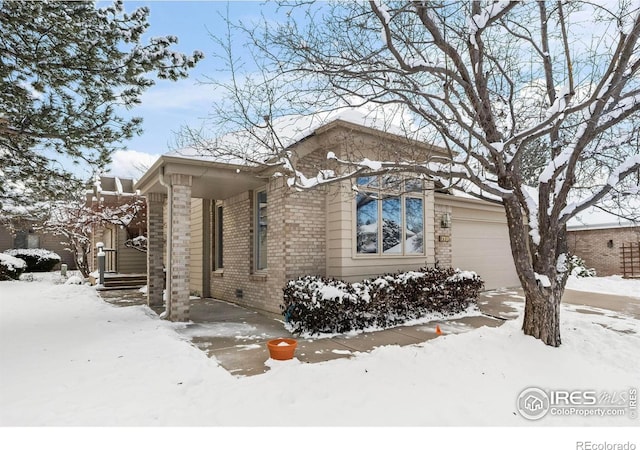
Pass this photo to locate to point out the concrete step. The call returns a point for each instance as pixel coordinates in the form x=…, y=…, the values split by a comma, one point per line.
x=117, y=288
x=124, y=281
x=123, y=284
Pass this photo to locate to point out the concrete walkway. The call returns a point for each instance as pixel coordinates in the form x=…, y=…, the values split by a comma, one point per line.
x=237, y=336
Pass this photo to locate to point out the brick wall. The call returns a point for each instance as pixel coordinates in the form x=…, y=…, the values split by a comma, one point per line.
x=305, y=230
x=295, y=245
x=180, y=242
x=238, y=282
x=156, y=245
x=442, y=237
x=593, y=246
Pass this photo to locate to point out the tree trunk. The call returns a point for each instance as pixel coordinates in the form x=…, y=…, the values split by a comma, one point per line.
x=542, y=304
x=542, y=313
x=81, y=254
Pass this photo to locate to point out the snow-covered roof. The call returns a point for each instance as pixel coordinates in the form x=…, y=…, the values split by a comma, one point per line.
x=245, y=148
x=595, y=218
x=113, y=186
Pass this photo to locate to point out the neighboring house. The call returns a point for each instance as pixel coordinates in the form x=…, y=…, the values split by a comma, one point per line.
x=239, y=233
x=113, y=193
x=606, y=242
x=24, y=234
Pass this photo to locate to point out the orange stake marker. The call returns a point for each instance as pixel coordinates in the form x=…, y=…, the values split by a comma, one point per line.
x=438, y=330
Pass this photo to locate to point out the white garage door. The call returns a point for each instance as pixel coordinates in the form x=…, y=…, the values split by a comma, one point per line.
x=483, y=247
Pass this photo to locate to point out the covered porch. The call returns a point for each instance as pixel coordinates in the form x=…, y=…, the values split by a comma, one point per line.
x=169, y=186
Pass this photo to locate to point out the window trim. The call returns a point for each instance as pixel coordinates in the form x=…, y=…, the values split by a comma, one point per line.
x=256, y=233
x=380, y=193
x=218, y=238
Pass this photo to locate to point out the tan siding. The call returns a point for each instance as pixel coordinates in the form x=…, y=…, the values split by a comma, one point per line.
x=54, y=243
x=6, y=239
x=129, y=260
x=47, y=241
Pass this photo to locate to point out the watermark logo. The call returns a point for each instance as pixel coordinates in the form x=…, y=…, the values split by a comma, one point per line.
x=534, y=403
x=589, y=445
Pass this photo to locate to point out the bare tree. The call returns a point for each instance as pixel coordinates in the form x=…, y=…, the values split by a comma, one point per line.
x=503, y=86
x=75, y=221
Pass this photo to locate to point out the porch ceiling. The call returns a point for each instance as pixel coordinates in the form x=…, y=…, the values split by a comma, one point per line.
x=211, y=180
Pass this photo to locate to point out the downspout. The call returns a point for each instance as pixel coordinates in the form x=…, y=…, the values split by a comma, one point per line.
x=167, y=311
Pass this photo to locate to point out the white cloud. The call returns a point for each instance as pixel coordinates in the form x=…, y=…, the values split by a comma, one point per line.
x=130, y=163
x=186, y=95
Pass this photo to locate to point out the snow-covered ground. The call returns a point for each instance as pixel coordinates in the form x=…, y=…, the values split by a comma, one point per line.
x=68, y=358
x=614, y=284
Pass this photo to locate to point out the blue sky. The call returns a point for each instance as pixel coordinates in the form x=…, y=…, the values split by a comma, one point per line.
x=168, y=105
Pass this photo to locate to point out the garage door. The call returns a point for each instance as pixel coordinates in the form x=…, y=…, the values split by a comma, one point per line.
x=483, y=247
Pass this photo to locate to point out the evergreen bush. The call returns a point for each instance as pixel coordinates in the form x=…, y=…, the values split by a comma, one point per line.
x=11, y=267
x=37, y=259
x=578, y=268
x=326, y=305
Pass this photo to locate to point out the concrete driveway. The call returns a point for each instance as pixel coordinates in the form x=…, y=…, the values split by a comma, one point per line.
x=497, y=302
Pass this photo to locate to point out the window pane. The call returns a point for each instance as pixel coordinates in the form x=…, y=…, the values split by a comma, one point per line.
x=367, y=181
x=414, y=217
x=367, y=222
x=33, y=241
x=20, y=241
x=413, y=185
x=261, y=245
x=391, y=225
x=391, y=183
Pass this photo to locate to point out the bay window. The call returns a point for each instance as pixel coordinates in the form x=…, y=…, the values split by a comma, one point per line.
x=389, y=216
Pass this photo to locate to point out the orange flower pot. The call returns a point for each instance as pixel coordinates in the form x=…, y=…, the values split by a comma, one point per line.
x=282, y=348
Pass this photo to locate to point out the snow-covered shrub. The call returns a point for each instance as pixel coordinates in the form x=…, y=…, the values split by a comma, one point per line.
x=74, y=279
x=11, y=267
x=578, y=268
x=37, y=259
x=27, y=277
x=325, y=305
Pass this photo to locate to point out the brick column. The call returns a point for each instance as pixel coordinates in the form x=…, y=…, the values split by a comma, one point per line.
x=155, y=249
x=179, y=241
x=442, y=237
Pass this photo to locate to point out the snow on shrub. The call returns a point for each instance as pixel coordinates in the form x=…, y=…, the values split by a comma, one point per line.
x=74, y=279
x=37, y=259
x=11, y=267
x=325, y=305
x=578, y=268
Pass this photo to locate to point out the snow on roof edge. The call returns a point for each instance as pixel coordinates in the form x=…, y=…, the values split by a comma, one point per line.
x=602, y=226
x=292, y=129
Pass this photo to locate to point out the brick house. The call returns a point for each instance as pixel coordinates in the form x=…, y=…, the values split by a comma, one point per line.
x=238, y=232
x=606, y=243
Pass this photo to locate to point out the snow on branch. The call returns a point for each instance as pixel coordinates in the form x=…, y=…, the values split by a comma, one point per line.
x=477, y=22
x=630, y=165
x=623, y=106
x=563, y=157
